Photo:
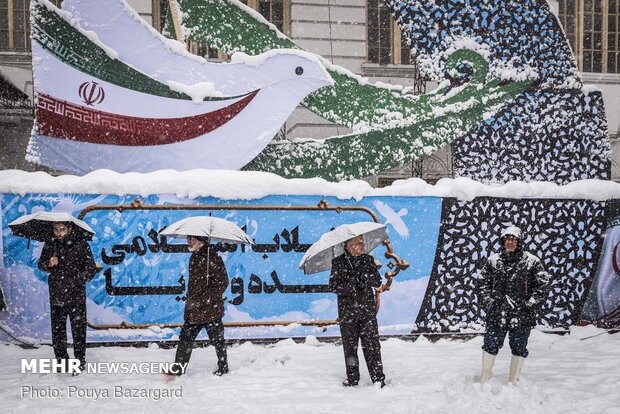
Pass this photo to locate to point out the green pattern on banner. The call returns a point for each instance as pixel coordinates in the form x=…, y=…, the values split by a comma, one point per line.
x=68, y=44
x=400, y=128
x=356, y=156
x=231, y=27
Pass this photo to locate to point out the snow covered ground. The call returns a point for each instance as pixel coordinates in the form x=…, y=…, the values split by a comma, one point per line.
x=564, y=374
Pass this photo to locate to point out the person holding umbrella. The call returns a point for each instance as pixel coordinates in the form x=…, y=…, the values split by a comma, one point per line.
x=208, y=281
x=68, y=259
x=354, y=276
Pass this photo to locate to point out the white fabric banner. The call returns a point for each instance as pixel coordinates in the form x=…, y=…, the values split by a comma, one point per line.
x=84, y=123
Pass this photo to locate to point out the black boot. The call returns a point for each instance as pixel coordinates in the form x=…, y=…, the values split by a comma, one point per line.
x=81, y=369
x=219, y=372
x=222, y=360
x=350, y=383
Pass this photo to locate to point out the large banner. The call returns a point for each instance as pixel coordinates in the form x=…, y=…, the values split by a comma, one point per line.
x=94, y=111
x=437, y=248
x=552, y=129
x=139, y=294
x=103, y=103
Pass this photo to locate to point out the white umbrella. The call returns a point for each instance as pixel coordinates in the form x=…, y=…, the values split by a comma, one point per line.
x=216, y=229
x=319, y=256
x=40, y=225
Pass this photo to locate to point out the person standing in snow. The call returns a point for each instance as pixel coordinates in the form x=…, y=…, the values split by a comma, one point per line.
x=513, y=286
x=204, y=308
x=353, y=277
x=70, y=264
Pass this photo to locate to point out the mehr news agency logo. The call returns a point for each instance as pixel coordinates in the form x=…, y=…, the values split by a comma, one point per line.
x=72, y=366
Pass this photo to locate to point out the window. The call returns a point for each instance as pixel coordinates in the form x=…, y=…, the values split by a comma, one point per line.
x=385, y=45
x=160, y=9
x=272, y=10
x=613, y=37
x=15, y=25
x=591, y=27
x=568, y=16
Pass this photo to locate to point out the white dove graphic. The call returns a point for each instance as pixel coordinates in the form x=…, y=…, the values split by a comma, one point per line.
x=138, y=44
x=393, y=218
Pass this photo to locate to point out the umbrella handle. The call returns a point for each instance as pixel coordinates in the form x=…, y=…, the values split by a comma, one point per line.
x=208, y=258
x=377, y=300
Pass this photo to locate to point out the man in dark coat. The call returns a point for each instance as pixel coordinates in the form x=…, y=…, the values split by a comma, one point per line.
x=353, y=277
x=70, y=264
x=514, y=285
x=204, y=308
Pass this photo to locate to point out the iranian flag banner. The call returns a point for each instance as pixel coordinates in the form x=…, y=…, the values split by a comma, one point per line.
x=93, y=111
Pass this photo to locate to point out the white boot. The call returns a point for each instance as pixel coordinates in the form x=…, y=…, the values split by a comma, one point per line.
x=516, y=363
x=487, y=366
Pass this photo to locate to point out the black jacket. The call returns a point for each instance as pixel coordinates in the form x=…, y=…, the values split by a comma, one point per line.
x=513, y=288
x=353, y=279
x=204, y=291
x=76, y=266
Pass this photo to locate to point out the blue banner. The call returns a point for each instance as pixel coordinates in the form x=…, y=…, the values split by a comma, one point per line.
x=141, y=287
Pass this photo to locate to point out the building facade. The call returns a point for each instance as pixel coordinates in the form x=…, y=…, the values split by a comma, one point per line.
x=359, y=35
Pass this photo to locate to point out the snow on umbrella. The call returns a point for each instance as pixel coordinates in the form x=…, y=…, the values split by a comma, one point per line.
x=216, y=229
x=319, y=256
x=40, y=225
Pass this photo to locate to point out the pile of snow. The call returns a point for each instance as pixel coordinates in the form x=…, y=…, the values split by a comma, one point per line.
x=563, y=374
x=247, y=185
